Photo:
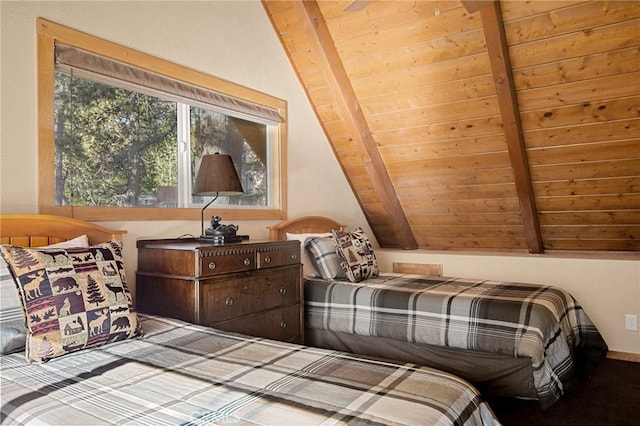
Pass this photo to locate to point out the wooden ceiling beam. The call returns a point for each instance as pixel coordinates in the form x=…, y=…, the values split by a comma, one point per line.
x=473, y=6
x=498, y=50
x=333, y=70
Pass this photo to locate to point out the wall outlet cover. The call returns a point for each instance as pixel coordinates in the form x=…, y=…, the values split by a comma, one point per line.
x=631, y=322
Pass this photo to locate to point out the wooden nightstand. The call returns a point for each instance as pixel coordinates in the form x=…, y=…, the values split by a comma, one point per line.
x=252, y=288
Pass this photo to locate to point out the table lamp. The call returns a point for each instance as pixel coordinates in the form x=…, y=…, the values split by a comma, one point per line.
x=217, y=176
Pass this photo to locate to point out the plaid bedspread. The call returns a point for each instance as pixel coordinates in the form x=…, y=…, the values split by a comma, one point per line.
x=521, y=320
x=189, y=375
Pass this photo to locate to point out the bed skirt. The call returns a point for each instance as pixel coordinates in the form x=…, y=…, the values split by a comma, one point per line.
x=494, y=374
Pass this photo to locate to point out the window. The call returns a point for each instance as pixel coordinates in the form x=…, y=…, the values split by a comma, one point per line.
x=120, y=147
x=129, y=131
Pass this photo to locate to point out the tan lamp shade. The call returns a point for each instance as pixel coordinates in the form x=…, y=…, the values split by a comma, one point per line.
x=217, y=176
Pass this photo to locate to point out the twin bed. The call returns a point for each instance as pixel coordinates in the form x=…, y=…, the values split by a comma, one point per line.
x=508, y=339
x=154, y=370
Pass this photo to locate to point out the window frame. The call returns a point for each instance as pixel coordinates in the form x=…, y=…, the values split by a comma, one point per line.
x=48, y=33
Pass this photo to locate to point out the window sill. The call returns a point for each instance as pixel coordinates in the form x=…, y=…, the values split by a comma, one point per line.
x=107, y=214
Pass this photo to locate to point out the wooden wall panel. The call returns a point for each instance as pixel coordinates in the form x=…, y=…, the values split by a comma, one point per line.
x=514, y=10
x=455, y=130
x=451, y=165
x=585, y=202
x=586, y=245
x=586, y=170
x=580, y=114
x=456, y=207
x=426, y=177
x=580, y=109
x=576, y=69
x=580, y=92
x=398, y=62
x=391, y=97
x=623, y=217
x=589, y=132
x=470, y=244
x=581, y=43
x=425, y=89
x=564, y=18
x=593, y=151
x=450, y=219
x=614, y=185
x=397, y=151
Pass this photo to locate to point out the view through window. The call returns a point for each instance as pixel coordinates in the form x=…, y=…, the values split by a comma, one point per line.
x=120, y=147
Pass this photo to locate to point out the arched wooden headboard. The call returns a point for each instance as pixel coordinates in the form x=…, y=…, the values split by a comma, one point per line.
x=35, y=230
x=303, y=225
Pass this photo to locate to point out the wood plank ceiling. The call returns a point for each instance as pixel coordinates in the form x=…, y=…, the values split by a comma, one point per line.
x=506, y=125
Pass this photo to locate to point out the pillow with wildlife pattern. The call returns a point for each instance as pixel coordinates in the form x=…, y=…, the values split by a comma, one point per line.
x=356, y=254
x=73, y=298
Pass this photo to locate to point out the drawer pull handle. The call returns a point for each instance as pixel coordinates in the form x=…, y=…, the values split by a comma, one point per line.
x=212, y=265
x=267, y=259
x=247, y=262
x=294, y=256
x=283, y=324
x=229, y=301
x=283, y=290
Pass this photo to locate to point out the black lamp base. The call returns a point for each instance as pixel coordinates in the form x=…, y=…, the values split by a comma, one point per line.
x=219, y=240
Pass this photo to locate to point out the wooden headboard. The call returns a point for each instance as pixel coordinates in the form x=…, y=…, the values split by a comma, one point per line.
x=36, y=230
x=303, y=225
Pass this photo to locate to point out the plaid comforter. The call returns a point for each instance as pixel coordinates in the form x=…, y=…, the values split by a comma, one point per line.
x=190, y=375
x=545, y=324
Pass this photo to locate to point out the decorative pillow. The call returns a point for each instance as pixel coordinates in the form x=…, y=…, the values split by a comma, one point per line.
x=72, y=298
x=323, y=256
x=356, y=255
x=13, y=333
x=307, y=265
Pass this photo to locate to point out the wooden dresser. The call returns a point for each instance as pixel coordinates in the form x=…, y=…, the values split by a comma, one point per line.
x=252, y=288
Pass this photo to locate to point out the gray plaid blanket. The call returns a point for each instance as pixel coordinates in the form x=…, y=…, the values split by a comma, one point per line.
x=183, y=374
x=543, y=323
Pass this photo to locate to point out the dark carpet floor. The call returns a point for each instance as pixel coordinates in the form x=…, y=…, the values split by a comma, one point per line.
x=610, y=397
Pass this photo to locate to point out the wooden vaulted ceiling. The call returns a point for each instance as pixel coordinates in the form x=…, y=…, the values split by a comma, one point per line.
x=491, y=125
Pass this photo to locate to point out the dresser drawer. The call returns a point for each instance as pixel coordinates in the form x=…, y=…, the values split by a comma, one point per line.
x=274, y=257
x=240, y=296
x=218, y=264
x=278, y=324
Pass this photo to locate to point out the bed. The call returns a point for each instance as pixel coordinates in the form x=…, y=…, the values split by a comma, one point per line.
x=508, y=339
x=155, y=370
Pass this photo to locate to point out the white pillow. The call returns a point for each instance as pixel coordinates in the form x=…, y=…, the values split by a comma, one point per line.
x=307, y=266
x=78, y=242
x=13, y=333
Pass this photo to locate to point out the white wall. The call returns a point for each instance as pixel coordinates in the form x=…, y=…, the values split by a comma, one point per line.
x=234, y=40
